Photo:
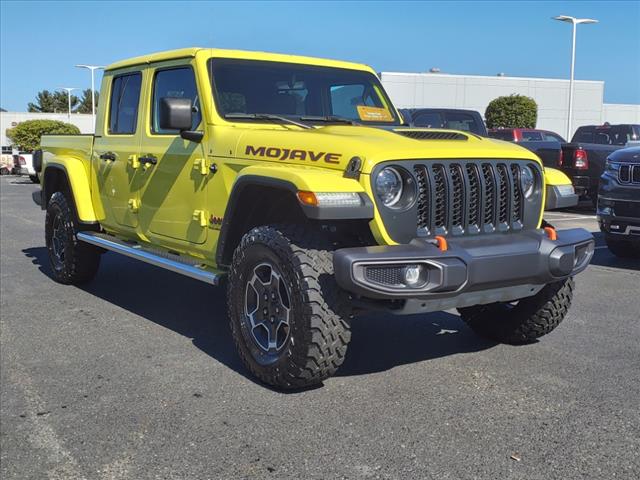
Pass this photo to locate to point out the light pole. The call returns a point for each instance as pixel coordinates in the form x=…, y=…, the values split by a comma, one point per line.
x=93, y=68
x=68, y=89
x=574, y=21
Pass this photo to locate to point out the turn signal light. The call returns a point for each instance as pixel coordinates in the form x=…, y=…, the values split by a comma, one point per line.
x=308, y=198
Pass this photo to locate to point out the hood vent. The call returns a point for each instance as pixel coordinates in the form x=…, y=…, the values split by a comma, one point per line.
x=435, y=135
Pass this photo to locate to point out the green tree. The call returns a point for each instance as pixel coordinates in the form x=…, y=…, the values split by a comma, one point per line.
x=85, y=102
x=26, y=135
x=53, y=102
x=514, y=111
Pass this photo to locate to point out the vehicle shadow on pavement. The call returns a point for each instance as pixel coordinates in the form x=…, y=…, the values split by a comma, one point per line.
x=198, y=311
x=604, y=258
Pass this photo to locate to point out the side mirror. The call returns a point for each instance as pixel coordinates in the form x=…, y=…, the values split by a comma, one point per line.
x=175, y=113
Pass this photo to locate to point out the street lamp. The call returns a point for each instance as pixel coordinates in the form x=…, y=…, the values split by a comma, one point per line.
x=574, y=21
x=68, y=89
x=93, y=68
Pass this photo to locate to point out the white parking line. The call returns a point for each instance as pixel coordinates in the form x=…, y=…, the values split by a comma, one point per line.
x=565, y=219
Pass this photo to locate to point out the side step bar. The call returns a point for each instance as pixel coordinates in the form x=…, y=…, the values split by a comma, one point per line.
x=163, y=260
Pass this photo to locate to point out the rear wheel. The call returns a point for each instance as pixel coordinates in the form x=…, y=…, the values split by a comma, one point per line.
x=34, y=178
x=525, y=320
x=622, y=248
x=72, y=261
x=284, y=306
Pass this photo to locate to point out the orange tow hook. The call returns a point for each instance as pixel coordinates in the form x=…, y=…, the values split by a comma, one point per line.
x=442, y=243
x=551, y=233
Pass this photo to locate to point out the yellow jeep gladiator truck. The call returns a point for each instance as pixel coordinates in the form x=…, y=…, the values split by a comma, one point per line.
x=296, y=180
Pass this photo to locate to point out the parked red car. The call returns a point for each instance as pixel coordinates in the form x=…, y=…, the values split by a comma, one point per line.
x=525, y=135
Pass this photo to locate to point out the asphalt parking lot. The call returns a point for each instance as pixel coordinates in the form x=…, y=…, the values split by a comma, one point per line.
x=135, y=376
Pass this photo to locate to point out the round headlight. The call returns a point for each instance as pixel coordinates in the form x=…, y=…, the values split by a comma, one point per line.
x=527, y=181
x=389, y=186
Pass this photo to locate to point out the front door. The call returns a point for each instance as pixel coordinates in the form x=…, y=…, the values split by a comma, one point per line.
x=115, y=151
x=173, y=199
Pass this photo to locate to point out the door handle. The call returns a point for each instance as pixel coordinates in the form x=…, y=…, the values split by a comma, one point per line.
x=108, y=156
x=149, y=159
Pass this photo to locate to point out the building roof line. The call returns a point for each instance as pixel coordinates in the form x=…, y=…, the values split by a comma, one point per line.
x=495, y=77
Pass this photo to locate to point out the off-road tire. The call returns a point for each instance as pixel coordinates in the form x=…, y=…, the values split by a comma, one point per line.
x=81, y=260
x=34, y=178
x=319, y=328
x=621, y=248
x=525, y=321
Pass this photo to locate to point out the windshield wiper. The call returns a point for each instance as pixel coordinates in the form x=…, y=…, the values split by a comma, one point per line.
x=330, y=118
x=266, y=116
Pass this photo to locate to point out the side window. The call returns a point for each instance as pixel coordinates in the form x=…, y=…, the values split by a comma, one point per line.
x=502, y=135
x=551, y=137
x=123, y=106
x=529, y=136
x=175, y=83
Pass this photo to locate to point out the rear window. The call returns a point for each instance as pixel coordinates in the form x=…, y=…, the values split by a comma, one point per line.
x=123, y=107
x=502, y=135
x=462, y=121
x=529, y=136
x=429, y=120
x=605, y=135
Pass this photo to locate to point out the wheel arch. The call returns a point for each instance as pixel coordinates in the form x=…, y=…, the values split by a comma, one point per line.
x=261, y=200
x=73, y=181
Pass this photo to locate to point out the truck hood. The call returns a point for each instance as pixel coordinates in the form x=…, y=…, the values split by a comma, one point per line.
x=333, y=146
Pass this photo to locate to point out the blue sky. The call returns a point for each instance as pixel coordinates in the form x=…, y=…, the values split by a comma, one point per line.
x=42, y=41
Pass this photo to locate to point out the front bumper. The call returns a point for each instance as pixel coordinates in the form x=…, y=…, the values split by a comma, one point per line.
x=560, y=196
x=472, y=271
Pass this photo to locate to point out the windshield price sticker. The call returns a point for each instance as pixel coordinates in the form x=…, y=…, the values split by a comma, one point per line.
x=374, y=114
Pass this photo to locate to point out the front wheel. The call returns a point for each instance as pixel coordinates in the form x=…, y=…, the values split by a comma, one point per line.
x=525, y=320
x=283, y=307
x=72, y=261
x=34, y=179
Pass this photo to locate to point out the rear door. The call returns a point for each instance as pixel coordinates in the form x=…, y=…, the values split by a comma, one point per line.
x=117, y=142
x=173, y=199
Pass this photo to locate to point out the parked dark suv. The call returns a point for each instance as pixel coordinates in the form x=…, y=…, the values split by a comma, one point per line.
x=619, y=202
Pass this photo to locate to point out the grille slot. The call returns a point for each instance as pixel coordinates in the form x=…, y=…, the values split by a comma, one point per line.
x=457, y=205
x=490, y=193
x=474, y=196
x=629, y=173
x=440, y=193
x=516, y=211
x=504, y=194
x=468, y=197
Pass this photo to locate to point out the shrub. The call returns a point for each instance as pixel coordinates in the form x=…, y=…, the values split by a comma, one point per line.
x=514, y=111
x=26, y=135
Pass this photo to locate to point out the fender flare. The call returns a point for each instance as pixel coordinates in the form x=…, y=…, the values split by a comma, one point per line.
x=363, y=212
x=78, y=183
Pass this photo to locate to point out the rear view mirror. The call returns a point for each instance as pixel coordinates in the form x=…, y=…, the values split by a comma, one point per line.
x=175, y=113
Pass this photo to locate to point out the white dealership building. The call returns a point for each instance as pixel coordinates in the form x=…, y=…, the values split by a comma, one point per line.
x=431, y=90
x=11, y=119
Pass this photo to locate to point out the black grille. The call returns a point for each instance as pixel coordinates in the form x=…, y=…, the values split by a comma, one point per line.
x=385, y=275
x=422, y=135
x=468, y=197
x=629, y=173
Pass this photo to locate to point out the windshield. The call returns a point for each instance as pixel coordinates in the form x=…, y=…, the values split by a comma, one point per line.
x=299, y=91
